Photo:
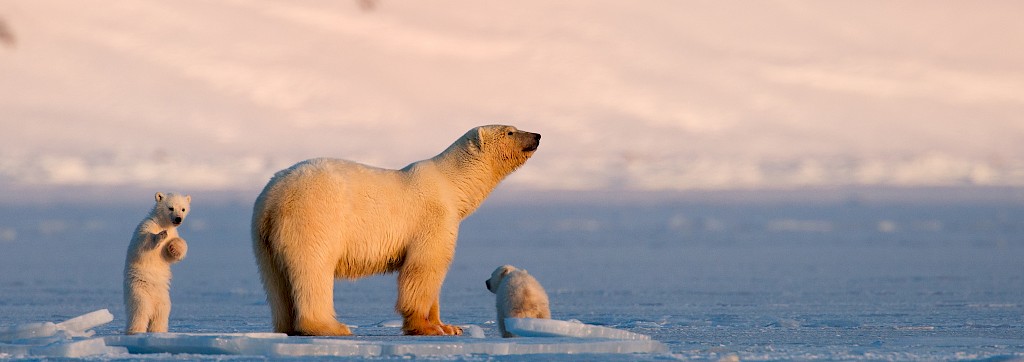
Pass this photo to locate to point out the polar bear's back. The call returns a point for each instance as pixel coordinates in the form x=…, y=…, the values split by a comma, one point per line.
x=333, y=208
x=321, y=180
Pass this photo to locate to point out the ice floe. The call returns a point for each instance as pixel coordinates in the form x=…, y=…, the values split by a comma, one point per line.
x=74, y=338
x=531, y=327
x=281, y=345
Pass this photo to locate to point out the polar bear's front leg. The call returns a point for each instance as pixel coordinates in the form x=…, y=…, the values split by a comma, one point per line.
x=175, y=250
x=419, y=291
x=435, y=318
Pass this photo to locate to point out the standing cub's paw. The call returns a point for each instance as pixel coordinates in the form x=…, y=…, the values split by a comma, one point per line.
x=175, y=250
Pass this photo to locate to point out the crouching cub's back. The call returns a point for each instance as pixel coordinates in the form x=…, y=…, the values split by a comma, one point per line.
x=518, y=295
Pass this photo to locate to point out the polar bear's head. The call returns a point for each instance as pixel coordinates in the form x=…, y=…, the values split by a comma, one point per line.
x=171, y=208
x=505, y=146
x=497, y=276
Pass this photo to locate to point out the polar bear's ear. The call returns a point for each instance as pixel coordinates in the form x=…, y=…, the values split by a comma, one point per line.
x=159, y=196
x=474, y=138
x=188, y=198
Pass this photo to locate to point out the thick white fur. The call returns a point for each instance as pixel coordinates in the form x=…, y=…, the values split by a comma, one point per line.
x=324, y=218
x=517, y=295
x=147, y=267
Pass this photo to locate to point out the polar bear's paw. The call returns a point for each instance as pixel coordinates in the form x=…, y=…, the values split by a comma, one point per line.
x=175, y=250
x=451, y=330
x=321, y=328
x=431, y=329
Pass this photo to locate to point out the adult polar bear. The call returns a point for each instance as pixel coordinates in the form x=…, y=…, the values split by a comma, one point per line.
x=323, y=219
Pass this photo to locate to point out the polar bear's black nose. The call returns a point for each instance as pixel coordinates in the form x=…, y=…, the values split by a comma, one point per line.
x=532, y=143
x=177, y=220
x=488, y=284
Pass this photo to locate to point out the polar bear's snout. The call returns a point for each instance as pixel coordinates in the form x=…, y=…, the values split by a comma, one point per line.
x=530, y=141
x=177, y=220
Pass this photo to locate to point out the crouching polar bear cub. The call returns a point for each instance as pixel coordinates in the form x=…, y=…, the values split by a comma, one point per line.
x=517, y=295
x=324, y=218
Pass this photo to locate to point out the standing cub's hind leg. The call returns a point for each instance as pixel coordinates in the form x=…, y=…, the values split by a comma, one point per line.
x=140, y=313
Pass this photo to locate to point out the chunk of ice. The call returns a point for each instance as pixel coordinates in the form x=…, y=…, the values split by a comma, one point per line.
x=82, y=323
x=199, y=343
x=79, y=348
x=13, y=350
x=27, y=330
x=47, y=339
x=532, y=327
x=325, y=348
x=472, y=331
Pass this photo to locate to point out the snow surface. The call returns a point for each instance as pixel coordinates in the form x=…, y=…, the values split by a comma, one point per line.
x=833, y=275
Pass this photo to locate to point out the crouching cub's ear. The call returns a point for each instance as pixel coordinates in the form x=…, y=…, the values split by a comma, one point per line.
x=496, y=277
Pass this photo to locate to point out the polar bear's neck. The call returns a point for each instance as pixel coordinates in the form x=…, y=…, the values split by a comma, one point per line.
x=471, y=177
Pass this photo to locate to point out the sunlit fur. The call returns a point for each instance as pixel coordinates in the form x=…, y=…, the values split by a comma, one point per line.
x=154, y=247
x=517, y=295
x=323, y=219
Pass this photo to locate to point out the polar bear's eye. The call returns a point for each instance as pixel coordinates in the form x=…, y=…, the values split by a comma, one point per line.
x=510, y=133
x=171, y=208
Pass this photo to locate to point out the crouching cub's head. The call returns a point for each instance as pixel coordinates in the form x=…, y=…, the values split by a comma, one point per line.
x=497, y=276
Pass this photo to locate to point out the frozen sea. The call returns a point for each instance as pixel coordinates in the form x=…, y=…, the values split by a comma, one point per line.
x=896, y=274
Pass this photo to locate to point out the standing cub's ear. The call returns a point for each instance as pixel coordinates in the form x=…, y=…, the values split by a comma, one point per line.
x=159, y=196
x=188, y=198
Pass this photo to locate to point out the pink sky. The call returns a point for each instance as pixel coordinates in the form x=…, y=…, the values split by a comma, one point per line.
x=655, y=95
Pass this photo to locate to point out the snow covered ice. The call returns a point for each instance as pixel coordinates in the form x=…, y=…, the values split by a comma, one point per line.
x=843, y=278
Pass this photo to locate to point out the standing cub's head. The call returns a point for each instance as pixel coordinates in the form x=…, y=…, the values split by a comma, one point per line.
x=505, y=146
x=497, y=276
x=171, y=209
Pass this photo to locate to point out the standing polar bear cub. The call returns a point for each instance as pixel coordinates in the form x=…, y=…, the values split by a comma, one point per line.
x=324, y=218
x=147, y=267
x=517, y=295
